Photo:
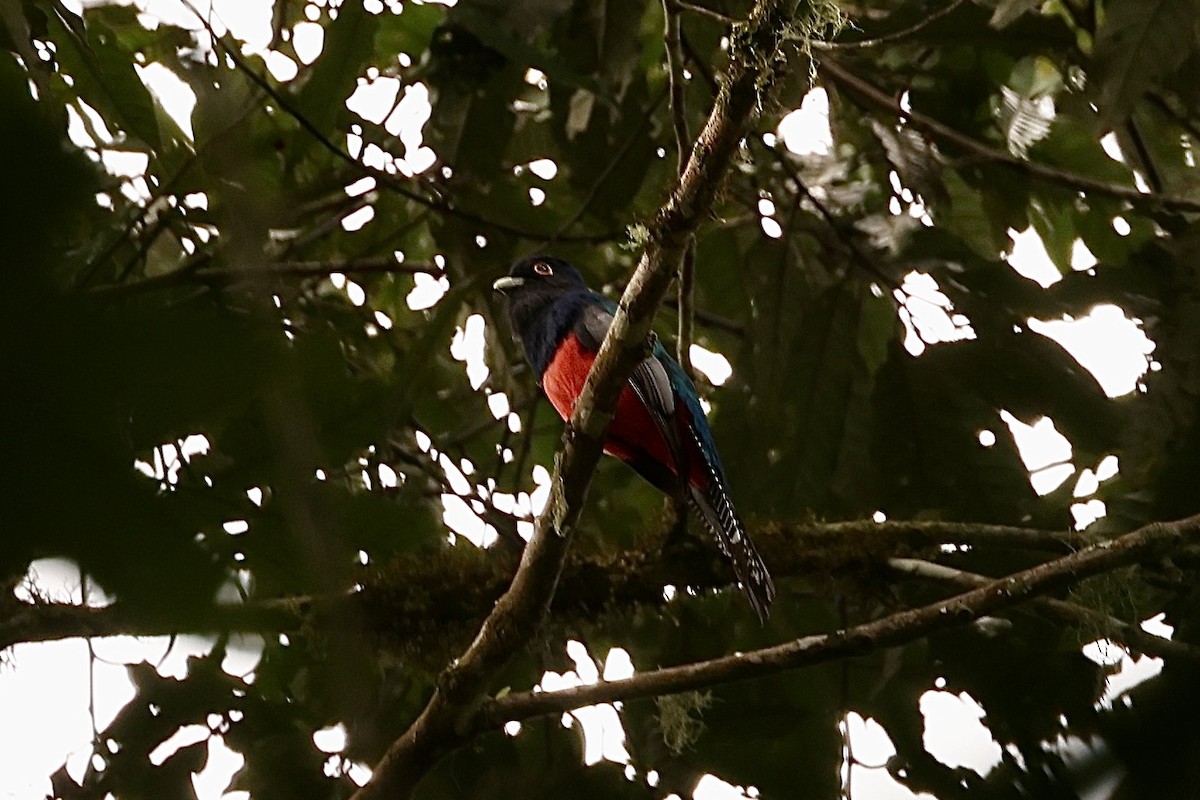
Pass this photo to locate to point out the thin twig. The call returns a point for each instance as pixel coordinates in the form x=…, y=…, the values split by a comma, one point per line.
x=686, y=304
x=675, y=81
x=709, y=319
x=919, y=121
x=1181, y=118
x=1144, y=155
x=711, y=13
x=1071, y=613
x=277, y=269
x=687, y=264
x=91, y=648
x=890, y=38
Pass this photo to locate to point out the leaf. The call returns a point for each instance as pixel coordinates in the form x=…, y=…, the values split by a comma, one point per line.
x=602, y=38
x=878, y=329
x=1138, y=43
x=542, y=762
x=1024, y=120
x=914, y=157
x=744, y=729
x=966, y=215
x=1055, y=224
x=104, y=74
x=410, y=30
x=1164, y=153
x=1009, y=10
x=473, y=123
x=1071, y=145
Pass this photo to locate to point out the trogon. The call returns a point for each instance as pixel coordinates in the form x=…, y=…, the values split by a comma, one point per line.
x=659, y=427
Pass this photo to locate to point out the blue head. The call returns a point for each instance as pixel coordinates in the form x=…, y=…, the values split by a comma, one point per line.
x=544, y=296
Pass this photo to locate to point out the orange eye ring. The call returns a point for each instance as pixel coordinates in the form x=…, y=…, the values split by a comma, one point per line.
x=542, y=268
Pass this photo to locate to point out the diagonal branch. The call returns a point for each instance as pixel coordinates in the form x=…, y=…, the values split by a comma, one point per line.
x=940, y=130
x=517, y=615
x=1072, y=614
x=274, y=269
x=711, y=13
x=895, y=36
x=1145, y=544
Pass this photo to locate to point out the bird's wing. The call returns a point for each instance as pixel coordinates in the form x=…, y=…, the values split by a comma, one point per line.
x=712, y=501
x=665, y=389
x=650, y=379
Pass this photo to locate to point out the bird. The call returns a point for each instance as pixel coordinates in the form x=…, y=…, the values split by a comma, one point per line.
x=659, y=427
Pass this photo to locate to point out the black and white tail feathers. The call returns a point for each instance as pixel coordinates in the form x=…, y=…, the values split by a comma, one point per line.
x=715, y=508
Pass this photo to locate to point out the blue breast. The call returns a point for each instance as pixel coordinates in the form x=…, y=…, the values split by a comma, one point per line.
x=542, y=338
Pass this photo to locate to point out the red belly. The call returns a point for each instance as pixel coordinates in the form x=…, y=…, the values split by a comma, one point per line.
x=633, y=433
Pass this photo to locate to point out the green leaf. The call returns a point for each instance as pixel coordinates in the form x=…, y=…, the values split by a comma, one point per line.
x=966, y=215
x=90, y=52
x=793, y=422
x=1138, y=43
x=543, y=762
x=1055, y=224
x=409, y=31
x=1009, y=10
x=878, y=328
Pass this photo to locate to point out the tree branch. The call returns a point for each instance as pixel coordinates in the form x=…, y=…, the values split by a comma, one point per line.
x=275, y=269
x=517, y=615
x=455, y=588
x=22, y=622
x=1132, y=636
x=938, y=130
x=1143, y=545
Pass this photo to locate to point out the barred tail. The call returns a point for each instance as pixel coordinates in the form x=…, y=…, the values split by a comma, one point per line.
x=716, y=510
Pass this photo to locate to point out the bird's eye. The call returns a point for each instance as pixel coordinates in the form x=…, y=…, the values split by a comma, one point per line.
x=542, y=268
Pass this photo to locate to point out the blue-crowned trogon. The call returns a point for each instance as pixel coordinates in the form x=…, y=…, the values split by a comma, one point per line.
x=659, y=427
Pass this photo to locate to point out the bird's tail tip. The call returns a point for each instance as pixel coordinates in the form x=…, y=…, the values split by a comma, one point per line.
x=758, y=587
x=753, y=577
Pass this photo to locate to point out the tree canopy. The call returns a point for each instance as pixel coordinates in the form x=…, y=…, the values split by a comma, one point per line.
x=258, y=383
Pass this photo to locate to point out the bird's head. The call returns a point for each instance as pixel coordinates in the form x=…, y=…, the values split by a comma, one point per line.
x=544, y=294
x=540, y=275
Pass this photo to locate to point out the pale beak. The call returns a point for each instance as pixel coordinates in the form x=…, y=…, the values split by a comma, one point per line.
x=507, y=284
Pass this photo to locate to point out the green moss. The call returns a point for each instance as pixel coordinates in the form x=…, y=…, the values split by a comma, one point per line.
x=817, y=21
x=679, y=718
